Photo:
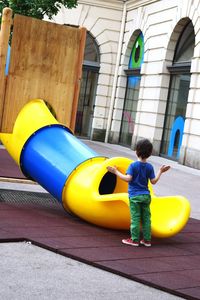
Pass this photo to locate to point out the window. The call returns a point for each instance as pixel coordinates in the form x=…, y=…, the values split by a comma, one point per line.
x=178, y=94
x=88, y=88
x=132, y=92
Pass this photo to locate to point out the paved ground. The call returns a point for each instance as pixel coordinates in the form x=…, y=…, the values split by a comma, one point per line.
x=29, y=272
x=25, y=267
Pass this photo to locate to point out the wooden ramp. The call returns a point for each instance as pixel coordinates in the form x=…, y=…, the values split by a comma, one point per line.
x=46, y=63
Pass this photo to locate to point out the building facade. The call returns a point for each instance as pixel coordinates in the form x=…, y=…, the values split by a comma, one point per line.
x=141, y=74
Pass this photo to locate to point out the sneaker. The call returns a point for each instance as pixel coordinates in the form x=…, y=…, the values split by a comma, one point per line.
x=145, y=243
x=130, y=242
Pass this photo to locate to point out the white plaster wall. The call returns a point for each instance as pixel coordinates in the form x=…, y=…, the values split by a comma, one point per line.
x=190, y=153
x=161, y=23
x=157, y=23
x=103, y=21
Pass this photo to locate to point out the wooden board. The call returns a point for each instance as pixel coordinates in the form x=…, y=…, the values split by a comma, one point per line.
x=46, y=63
x=6, y=22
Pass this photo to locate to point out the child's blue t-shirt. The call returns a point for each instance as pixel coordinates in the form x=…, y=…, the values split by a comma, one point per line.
x=141, y=172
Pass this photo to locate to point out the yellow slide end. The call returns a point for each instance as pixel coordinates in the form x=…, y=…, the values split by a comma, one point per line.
x=99, y=197
x=96, y=195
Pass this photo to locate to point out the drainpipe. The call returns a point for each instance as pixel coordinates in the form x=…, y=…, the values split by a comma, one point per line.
x=112, y=101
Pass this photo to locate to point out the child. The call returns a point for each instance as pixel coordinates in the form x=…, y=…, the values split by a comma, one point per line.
x=137, y=176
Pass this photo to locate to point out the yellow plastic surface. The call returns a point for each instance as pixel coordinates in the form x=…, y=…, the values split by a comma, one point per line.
x=169, y=215
x=81, y=193
x=33, y=116
x=81, y=196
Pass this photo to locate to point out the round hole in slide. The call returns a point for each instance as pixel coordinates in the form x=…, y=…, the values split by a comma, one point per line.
x=107, y=184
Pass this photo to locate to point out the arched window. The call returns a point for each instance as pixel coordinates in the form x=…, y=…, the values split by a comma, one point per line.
x=132, y=92
x=178, y=94
x=88, y=88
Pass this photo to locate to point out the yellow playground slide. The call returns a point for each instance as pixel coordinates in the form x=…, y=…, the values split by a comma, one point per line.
x=48, y=153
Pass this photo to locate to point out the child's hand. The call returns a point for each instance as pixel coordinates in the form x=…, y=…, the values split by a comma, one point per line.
x=164, y=168
x=112, y=169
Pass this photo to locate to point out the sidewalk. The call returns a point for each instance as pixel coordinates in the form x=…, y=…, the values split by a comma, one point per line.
x=71, y=279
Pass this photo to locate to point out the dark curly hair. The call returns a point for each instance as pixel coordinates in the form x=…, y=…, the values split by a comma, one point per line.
x=144, y=148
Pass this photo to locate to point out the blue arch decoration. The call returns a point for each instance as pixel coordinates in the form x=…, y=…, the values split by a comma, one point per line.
x=177, y=126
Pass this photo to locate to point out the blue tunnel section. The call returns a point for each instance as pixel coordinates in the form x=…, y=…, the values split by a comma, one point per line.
x=50, y=155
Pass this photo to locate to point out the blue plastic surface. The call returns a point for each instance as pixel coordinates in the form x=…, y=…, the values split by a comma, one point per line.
x=50, y=155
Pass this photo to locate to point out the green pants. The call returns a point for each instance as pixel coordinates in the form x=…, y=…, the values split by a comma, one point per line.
x=140, y=215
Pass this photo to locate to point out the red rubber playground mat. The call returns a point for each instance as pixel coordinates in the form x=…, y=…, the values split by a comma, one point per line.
x=8, y=167
x=171, y=265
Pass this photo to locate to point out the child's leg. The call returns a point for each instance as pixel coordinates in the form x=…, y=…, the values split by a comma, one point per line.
x=135, y=211
x=146, y=220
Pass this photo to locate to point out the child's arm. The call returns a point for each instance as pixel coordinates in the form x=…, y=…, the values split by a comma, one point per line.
x=161, y=170
x=124, y=177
